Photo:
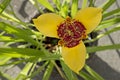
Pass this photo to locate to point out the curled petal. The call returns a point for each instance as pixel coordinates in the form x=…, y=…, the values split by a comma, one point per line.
x=74, y=57
x=47, y=24
x=90, y=17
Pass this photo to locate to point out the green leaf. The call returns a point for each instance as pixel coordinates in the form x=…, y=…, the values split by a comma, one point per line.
x=26, y=53
x=9, y=39
x=101, y=48
x=68, y=72
x=3, y=60
x=57, y=3
x=46, y=4
x=40, y=68
x=13, y=62
x=112, y=13
x=48, y=71
x=74, y=7
x=5, y=38
x=36, y=4
x=91, y=3
x=6, y=16
x=111, y=21
x=5, y=76
x=107, y=4
x=20, y=52
x=64, y=8
x=24, y=73
x=84, y=4
x=3, y=5
x=20, y=33
x=107, y=23
x=86, y=76
x=93, y=73
x=103, y=34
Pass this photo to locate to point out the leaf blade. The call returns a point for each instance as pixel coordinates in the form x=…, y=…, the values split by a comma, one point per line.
x=20, y=33
x=108, y=23
x=101, y=48
x=111, y=13
x=48, y=71
x=46, y=4
x=70, y=75
x=74, y=7
x=93, y=73
x=3, y=5
x=108, y=4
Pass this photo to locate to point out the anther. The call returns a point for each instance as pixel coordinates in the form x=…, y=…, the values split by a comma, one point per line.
x=71, y=32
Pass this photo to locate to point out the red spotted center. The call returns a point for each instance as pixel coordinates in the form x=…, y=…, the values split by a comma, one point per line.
x=71, y=32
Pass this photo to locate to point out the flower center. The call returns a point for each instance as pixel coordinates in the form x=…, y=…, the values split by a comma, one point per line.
x=71, y=32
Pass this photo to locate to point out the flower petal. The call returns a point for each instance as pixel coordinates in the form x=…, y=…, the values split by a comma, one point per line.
x=90, y=17
x=74, y=57
x=47, y=24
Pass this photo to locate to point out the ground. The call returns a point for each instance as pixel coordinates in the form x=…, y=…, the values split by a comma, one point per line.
x=106, y=63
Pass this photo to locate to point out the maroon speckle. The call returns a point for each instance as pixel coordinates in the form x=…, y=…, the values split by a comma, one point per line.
x=71, y=32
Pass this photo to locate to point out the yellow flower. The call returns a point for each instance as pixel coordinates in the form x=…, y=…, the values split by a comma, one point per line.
x=70, y=32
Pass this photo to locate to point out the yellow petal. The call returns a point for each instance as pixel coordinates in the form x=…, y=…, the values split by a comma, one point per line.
x=74, y=57
x=47, y=24
x=90, y=17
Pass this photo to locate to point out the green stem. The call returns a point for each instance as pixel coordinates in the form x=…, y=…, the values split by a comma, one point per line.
x=59, y=70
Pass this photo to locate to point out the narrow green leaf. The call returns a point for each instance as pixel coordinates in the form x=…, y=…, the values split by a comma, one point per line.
x=3, y=60
x=107, y=4
x=20, y=33
x=9, y=39
x=101, y=48
x=103, y=34
x=91, y=3
x=70, y=75
x=26, y=68
x=24, y=73
x=15, y=62
x=5, y=76
x=57, y=3
x=36, y=4
x=112, y=13
x=3, y=5
x=38, y=70
x=84, y=4
x=86, y=76
x=64, y=8
x=112, y=21
x=5, y=38
x=107, y=23
x=20, y=52
x=6, y=16
x=48, y=71
x=26, y=53
x=93, y=73
x=46, y=4
x=74, y=7
x=31, y=69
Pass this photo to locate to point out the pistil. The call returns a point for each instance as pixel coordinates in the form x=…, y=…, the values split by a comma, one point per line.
x=71, y=32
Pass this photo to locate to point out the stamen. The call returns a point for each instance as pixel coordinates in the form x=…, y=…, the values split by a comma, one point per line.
x=71, y=32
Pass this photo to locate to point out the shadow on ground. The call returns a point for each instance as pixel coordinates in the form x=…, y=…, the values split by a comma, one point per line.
x=22, y=9
x=103, y=68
